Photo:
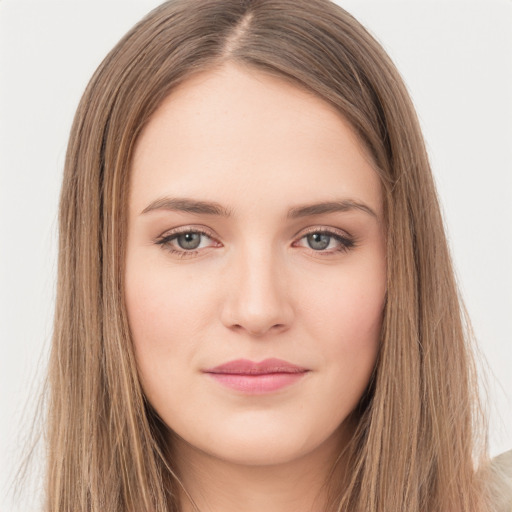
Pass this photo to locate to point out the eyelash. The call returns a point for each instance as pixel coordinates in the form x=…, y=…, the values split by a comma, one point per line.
x=346, y=242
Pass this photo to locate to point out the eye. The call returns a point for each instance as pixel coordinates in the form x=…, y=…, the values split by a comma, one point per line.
x=326, y=241
x=187, y=242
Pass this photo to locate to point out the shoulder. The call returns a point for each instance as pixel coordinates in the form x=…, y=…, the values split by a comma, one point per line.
x=501, y=482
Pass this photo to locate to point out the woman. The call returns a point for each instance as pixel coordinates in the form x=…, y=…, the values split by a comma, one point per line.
x=256, y=306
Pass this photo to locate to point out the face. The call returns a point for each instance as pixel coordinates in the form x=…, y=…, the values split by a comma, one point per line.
x=255, y=274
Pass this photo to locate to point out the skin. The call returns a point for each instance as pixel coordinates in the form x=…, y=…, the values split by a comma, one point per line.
x=254, y=288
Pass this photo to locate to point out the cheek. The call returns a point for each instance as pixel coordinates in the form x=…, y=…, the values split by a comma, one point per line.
x=161, y=301
x=167, y=315
x=345, y=317
x=348, y=305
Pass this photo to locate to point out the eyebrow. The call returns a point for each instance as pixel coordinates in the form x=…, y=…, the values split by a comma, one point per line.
x=212, y=208
x=344, y=205
x=187, y=206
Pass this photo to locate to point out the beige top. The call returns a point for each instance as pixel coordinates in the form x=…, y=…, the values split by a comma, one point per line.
x=501, y=485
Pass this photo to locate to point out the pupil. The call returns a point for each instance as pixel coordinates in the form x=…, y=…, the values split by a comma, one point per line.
x=318, y=241
x=189, y=240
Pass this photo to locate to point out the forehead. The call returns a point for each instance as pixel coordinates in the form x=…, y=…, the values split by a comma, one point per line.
x=233, y=134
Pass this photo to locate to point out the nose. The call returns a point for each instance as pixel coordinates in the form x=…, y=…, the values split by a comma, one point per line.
x=258, y=296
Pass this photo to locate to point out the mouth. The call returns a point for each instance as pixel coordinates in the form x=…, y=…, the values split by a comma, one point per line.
x=251, y=377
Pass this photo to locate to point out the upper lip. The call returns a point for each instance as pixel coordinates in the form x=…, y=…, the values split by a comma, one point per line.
x=247, y=367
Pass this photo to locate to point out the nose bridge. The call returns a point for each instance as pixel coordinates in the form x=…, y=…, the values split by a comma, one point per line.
x=258, y=300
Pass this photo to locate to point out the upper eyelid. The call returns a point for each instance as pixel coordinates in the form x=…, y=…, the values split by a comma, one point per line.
x=187, y=229
x=323, y=229
x=208, y=232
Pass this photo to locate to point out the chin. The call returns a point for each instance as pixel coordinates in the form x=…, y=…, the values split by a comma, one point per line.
x=264, y=445
x=257, y=452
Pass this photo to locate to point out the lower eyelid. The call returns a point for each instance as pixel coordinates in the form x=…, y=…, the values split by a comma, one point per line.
x=343, y=246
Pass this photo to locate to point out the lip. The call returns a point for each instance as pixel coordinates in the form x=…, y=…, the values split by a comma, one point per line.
x=257, y=377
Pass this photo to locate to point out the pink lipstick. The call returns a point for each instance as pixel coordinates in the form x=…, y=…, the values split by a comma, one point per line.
x=257, y=378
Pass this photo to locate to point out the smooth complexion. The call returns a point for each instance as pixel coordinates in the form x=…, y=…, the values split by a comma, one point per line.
x=255, y=234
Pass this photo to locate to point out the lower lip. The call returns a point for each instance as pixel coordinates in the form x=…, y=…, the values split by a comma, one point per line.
x=257, y=384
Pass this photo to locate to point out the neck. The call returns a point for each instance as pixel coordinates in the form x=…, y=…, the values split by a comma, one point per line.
x=218, y=485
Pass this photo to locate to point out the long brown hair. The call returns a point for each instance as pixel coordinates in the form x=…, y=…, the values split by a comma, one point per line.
x=418, y=441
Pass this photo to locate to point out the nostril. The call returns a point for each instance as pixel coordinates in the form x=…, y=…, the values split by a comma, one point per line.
x=263, y=330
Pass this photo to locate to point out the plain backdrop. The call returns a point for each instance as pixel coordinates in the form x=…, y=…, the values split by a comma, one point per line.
x=456, y=58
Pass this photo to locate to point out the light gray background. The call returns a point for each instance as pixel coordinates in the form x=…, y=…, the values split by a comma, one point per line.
x=456, y=58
